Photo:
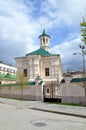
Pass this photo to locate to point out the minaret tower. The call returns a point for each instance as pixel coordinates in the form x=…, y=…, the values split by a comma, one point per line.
x=45, y=41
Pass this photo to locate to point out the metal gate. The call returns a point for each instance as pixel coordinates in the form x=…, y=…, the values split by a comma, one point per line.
x=51, y=93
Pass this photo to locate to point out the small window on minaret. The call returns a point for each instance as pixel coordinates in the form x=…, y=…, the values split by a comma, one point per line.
x=46, y=40
x=43, y=40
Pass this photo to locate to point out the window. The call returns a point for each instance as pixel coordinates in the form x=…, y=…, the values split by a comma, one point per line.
x=48, y=90
x=43, y=40
x=25, y=72
x=10, y=70
x=3, y=68
x=14, y=71
x=46, y=71
x=46, y=40
x=7, y=69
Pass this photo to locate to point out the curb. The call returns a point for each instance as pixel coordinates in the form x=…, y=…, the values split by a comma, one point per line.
x=57, y=112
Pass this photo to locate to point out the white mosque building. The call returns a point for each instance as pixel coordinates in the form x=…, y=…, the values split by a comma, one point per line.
x=41, y=63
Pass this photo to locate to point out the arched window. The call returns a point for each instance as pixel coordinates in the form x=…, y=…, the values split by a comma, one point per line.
x=48, y=90
x=43, y=40
x=46, y=40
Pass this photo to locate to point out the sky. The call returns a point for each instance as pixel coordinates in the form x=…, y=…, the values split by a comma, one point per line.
x=23, y=21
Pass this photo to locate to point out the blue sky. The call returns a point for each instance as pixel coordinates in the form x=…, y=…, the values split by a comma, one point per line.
x=22, y=21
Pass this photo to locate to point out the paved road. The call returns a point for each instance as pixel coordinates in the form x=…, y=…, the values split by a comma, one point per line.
x=71, y=110
x=17, y=118
x=19, y=115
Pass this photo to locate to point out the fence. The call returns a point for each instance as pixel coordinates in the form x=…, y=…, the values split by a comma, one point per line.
x=31, y=92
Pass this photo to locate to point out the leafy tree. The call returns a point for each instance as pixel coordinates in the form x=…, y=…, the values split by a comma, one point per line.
x=0, y=81
x=83, y=34
x=83, y=30
x=0, y=78
x=7, y=76
x=21, y=81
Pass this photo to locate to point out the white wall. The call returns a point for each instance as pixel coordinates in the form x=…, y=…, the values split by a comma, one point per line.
x=72, y=92
x=31, y=92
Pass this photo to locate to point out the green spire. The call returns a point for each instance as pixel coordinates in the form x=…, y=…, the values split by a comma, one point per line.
x=38, y=77
x=44, y=32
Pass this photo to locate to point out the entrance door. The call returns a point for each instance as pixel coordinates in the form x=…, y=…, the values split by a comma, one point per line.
x=51, y=93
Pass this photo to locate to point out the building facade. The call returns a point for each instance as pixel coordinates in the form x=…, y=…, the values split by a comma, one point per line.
x=7, y=73
x=41, y=62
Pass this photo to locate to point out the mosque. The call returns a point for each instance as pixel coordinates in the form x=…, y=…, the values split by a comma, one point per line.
x=41, y=63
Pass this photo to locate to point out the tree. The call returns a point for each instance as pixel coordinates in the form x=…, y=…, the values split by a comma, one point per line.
x=21, y=81
x=83, y=34
x=0, y=82
x=2, y=76
x=83, y=30
x=8, y=76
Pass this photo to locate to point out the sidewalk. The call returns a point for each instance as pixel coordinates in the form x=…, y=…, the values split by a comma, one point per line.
x=47, y=107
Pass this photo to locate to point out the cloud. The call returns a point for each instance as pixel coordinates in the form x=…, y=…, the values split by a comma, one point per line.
x=22, y=21
x=16, y=29
x=64, y=12
x=14, y=21
x=66, y=50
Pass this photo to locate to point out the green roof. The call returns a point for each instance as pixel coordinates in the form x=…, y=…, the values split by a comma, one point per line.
x=41, y=52
x=7, y=76
x=40, y=82
x=38, y=78
x=44, y=34
x=31, y=83
x=62, y=81
x=78, y=80
x=75, y=80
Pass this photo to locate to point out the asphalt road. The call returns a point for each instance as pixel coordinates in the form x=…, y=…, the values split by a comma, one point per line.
x=19, y=118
